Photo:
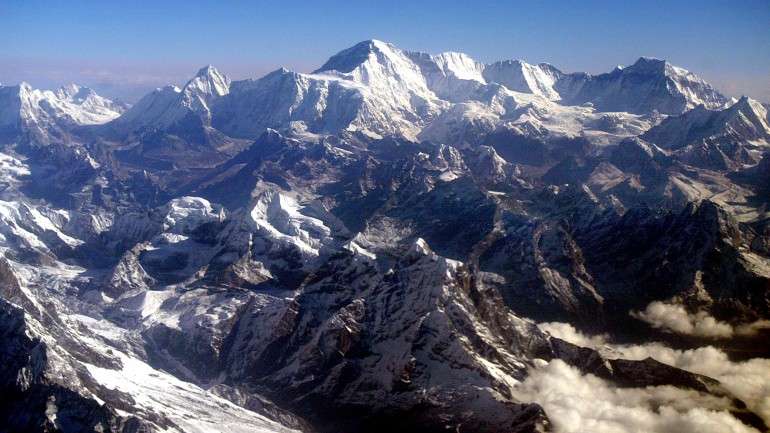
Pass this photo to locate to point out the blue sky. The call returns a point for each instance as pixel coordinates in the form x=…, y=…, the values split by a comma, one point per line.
x=125, y=48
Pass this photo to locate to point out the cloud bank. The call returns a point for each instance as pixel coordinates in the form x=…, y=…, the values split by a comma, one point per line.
x=747, y=380
x=675, y=318
x=578, y=403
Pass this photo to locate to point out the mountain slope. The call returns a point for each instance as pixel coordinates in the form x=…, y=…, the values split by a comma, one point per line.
x=169, y=106
x=46, y=115
x=647, y=85
x=744, y=121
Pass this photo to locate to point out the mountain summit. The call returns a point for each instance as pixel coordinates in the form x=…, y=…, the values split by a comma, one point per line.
x=649, y=84
x=379, y=90
x=45, y=113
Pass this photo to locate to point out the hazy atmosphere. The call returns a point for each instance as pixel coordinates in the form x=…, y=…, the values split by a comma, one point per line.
x=124, y=49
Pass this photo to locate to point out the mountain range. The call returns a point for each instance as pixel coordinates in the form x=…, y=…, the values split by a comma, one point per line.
x=385, y=243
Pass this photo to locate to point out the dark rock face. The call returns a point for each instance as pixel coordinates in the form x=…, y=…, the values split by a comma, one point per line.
x=612, y=264
x=633, y=374
x=695, y=250
x=369, y=342
x=545, y=272
x=31, y=402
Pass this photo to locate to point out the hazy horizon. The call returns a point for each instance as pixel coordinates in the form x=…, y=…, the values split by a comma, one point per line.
x=112, y=51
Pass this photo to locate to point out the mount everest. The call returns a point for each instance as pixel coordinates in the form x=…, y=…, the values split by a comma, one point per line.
x=380, y=244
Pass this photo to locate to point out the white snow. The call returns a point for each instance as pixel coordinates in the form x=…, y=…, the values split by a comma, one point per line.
x=193, y=409
x=42, y=108
x=281, y=217
x=184, y=214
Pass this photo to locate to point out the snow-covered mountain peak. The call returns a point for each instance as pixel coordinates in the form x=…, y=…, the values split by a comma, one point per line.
x=154, y=109
x=348, y=59
x=209, y=81
x=206, y=71
x=392, y=86
x=461, y=65
x=648, y=85
x=521, y=76
x=378, y=65
x=659, y=67
x=743, y=125
x=24, y=109
x=168, y=106
x=752, y=111
x=73, y=90
x=207, y=85
x=746, y=102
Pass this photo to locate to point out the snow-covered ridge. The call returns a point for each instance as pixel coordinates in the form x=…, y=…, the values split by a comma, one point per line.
x=523, y=77
x=744, y=121
x=169, y=106
x=648, y=85
x=381, y=90
x=24, y=108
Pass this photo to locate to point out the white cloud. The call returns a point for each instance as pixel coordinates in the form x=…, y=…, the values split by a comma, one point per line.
x=748, y=380
x=675, y=318
x=578, y=403
x=567, y=332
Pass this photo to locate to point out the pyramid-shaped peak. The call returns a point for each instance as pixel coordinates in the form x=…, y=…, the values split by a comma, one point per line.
x=210, y=81
x=750, y=107
x=350, y=58
x=649, y=60
x=647, y=64
x=208, y=71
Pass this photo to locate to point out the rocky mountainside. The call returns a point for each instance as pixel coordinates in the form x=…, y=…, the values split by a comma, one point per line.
x=383, y=244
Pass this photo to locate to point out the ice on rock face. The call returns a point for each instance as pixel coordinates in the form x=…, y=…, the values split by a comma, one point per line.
x=520, y=76
x=281, y=219
x=201, y=91
x=188, y=213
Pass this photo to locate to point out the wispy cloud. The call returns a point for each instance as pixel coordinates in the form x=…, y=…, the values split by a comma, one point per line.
x=675, y=318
